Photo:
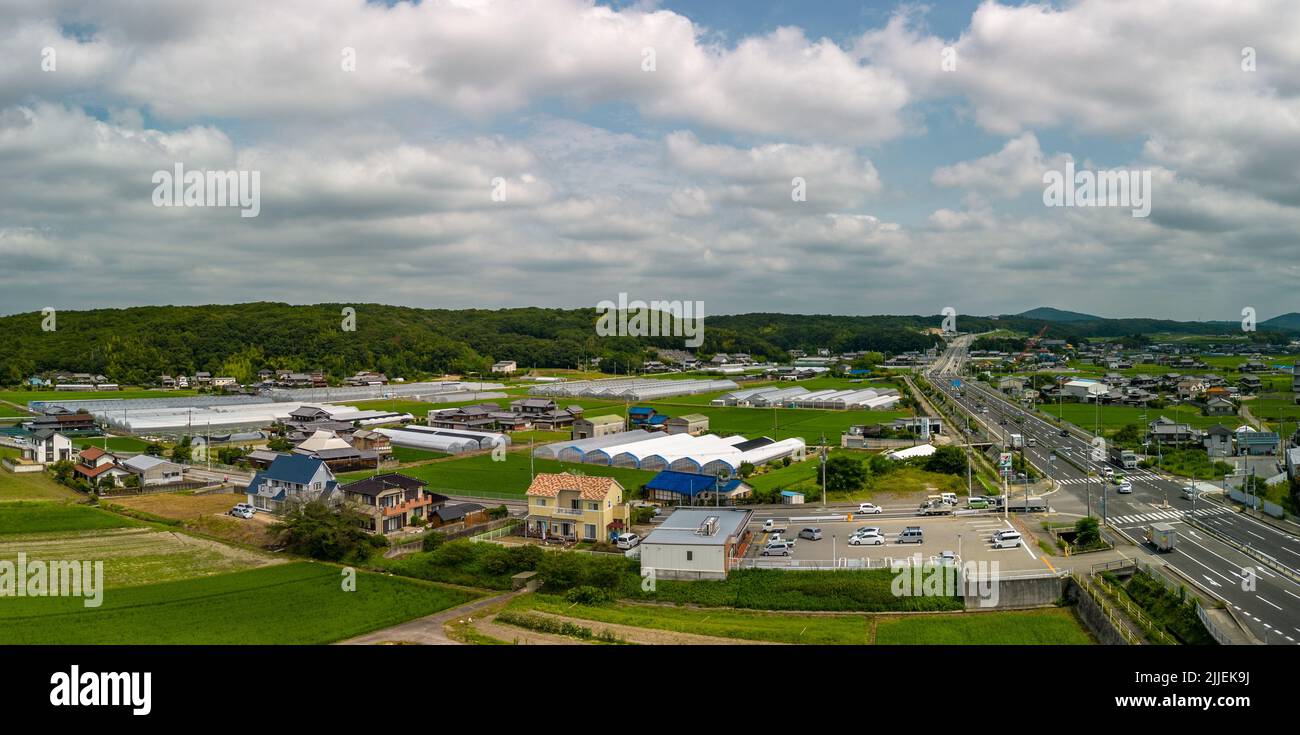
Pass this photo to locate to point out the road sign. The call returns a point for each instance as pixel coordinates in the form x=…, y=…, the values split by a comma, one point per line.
x=956, y=382
x=1004, y=459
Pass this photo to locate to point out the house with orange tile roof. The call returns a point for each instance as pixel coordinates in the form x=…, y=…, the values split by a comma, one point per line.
x=98, y=467
x=575, y=507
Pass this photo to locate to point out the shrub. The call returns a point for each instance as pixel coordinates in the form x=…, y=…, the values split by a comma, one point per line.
x=433, y=541
x=588, y=595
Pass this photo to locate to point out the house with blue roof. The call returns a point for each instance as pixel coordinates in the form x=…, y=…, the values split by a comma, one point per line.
x=291, y=477
x=645, y=417
x=689, y=488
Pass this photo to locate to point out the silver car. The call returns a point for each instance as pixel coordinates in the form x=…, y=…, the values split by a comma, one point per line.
x=812, y=534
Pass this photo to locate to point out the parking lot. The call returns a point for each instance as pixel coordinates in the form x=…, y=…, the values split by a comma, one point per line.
x=970, y=537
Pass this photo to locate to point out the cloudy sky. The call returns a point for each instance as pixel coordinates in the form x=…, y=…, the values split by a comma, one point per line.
x=457, y=153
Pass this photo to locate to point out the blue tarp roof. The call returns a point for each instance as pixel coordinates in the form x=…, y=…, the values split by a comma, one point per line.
x=656, y=420
x=688, y=483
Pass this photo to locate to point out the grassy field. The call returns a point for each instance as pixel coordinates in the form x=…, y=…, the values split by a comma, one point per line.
x=479, y=475
x=115, y=443
x=779, y=589
x=206, y=514
x=30, y=485
x=804, y=477
x=297, y=603
x=724, y=623
x=409, y=454
x=1055, y=626
x=1275, y=410
x=33, y=517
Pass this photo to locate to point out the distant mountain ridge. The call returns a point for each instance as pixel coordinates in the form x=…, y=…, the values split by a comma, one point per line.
x=1050, y=314
x=1289, y=322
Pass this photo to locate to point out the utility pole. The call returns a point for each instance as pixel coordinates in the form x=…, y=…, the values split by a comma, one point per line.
x=823, y=461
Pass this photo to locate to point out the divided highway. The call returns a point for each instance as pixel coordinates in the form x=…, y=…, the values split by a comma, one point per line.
x=1221, y=569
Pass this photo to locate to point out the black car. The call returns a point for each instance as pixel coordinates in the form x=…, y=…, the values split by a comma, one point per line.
x=1065, y=432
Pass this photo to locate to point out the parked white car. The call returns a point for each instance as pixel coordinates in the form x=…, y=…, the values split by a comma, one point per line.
x=872, y=538
x=243, y=510
x=627, y=540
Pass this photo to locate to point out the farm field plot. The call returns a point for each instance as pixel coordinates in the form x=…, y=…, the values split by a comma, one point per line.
x=22, y=397
x=479, y=475
x=1274, y=410
x=136, y=556
x=7, y=410
x=33, y=517
x=299, y=603
x=1055, y=626
x=205, y=514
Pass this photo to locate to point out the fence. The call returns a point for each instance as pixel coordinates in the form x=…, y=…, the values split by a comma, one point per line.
x=125, y=492
x=1135, y=613
x=1108, y=610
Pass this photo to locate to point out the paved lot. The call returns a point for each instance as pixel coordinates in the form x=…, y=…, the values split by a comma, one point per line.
x=968, y=536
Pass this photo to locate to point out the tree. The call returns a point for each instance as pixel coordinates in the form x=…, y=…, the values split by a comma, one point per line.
x=1129, y=434
x=183, y=450
x=322, y=531
x=845, y=473
x=946, y=460
x=1087, y=532
x=746, y=469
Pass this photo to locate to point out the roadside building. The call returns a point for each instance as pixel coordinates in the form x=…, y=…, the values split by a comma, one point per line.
x=696, y=543
x=153, y=470
x=689, y=488
x=1257, y=443
x=597, y=426
x=694, y=424
x=1218, y=441
x=46, y=446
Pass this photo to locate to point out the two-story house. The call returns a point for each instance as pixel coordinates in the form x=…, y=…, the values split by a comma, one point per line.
x=46, y=446
x=390, y=501
x=575, y=507
x=291, y=477
x=98, y=467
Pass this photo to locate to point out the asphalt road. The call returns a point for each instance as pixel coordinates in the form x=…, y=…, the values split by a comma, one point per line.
x=1221, y=569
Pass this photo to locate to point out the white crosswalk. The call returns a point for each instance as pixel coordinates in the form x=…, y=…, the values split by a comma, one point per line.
x=1166, y=515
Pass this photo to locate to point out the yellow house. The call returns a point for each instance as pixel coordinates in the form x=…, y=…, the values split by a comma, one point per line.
x=575, y=507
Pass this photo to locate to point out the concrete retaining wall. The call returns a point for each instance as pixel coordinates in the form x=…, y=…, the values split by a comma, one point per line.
x=1015, y=594
x=1094, y=619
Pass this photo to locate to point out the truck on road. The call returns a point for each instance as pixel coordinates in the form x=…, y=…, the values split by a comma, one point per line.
x=1017, y=441
x=1033, y=504
x=1161, y=536
x=1125, y=458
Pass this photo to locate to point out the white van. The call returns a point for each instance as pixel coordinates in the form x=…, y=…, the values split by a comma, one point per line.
x=1006, y=539
x=949, y=498
x=627, y=540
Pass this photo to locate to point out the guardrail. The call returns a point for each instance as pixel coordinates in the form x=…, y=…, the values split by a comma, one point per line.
x=1246, y=549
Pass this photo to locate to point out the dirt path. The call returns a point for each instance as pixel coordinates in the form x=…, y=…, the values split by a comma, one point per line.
x=428, y=631
x=649, y=636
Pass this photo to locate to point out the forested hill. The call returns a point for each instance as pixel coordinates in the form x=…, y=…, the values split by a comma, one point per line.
x=134, y=346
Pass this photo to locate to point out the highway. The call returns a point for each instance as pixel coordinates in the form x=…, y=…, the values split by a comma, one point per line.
x=1219, y=567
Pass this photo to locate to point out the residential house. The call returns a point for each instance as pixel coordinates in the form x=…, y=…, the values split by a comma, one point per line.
x=390, y=502
x=225, y=382
x=153, y=470
x=1217, y=407
x=97, y=466
x=291, y=477
x=1250, y=383
x=645, y=417
x=1166, y=431
x=203, y=378
x=65, y=423
x=575, y=507
x=1012, y=386
x=47, y=446
x=532, y=406
x=1218, y=441
x=504, y=366
x=166, y=381
x=372, y=441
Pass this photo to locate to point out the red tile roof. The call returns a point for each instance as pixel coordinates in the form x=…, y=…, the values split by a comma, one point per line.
x=549, y=485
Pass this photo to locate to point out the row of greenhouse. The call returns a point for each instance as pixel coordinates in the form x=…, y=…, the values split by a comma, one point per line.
x=654, y=451
x=458, y=441
x=800, y=397
x=631, y=389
